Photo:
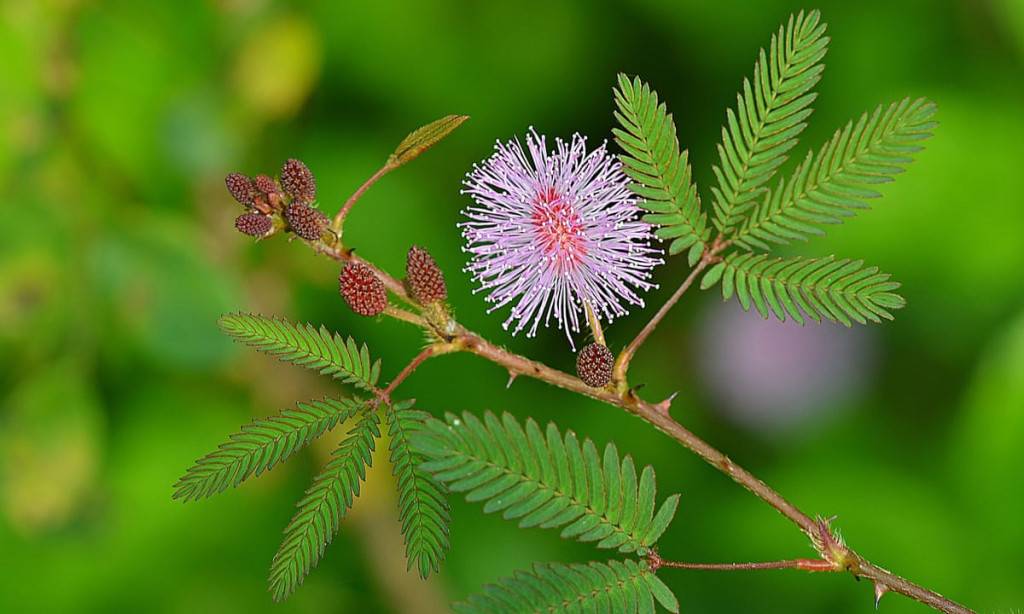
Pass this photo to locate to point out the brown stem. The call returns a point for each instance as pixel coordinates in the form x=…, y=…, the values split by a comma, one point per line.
x=653, y=413
x=340, y=218
x=426, y=353
x=803, y=564
x=626, y=355
x=886, y=581
x=619, y=371
x=834, y=552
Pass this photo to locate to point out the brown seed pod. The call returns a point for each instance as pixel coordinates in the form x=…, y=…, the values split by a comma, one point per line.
x=240, y=187
x=254, y=224
x=362, y=289
x=594, y=365
x=297, y=181
x=304, y=221
x=425, y=279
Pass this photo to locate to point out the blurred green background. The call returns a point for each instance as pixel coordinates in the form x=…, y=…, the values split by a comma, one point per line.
x=118, y=121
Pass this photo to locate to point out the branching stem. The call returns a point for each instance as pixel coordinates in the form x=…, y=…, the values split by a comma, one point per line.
x=834, y=553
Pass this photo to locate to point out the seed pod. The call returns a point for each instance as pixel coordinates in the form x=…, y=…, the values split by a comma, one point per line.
x=594, y=365
x=425, y=279
x=362, y=289
x=304, y=221
x=254, y=224
x=297, y=181
x=240, y=187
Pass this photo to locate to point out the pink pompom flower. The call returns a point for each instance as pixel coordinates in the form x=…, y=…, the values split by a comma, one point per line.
x=553, y=231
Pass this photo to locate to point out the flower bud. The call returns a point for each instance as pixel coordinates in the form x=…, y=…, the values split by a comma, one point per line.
x=265, y=184
x=298, y=181
x=425, y=280
x=305, y=221
x=240, y=187
x=594, y=365
x=254, y=224
x=362, y=289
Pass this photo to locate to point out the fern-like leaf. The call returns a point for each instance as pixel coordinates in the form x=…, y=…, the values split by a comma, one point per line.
x=615, y=586
x=262, y=444
x=305, y=345
x=546, y=480
x=834, y=183
x=422, y=505
x=659, y=170
x=322, y=508
x=769, y=115
x=841, y=290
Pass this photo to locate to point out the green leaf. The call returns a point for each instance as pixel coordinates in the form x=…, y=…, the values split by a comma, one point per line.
x=422, y=505
x=712, y=276
x=424, y=138
x=696, y=251
x=659, y=170
x=262, y=444
x=769, y=116
x=662, y=593
x=835, y=183
x=842, y=290
x=322, y=508
x=305, y=345
x=549, y=481
x=613, y=586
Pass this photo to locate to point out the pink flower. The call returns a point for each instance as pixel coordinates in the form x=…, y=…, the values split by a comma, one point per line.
x=553, y=231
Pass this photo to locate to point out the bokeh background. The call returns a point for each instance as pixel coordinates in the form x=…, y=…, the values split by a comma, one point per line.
x=118, y=121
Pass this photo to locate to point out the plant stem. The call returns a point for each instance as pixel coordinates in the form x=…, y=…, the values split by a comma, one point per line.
x=424, y=354
x=626, y=355
x=653, y=413
x=595, y=324
x=839, y=556
x=619, y=371
x=339, y=219
x=804, y=564
x=886, y=581
x=403, y=315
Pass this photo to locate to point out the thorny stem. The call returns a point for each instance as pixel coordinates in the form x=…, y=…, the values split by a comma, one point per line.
x=836, y=554
x=619, y=371
x=339, y=219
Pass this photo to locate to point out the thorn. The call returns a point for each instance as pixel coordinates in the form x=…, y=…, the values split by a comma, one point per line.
x=665, y=405
x=512, y=375
x=880, y=589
